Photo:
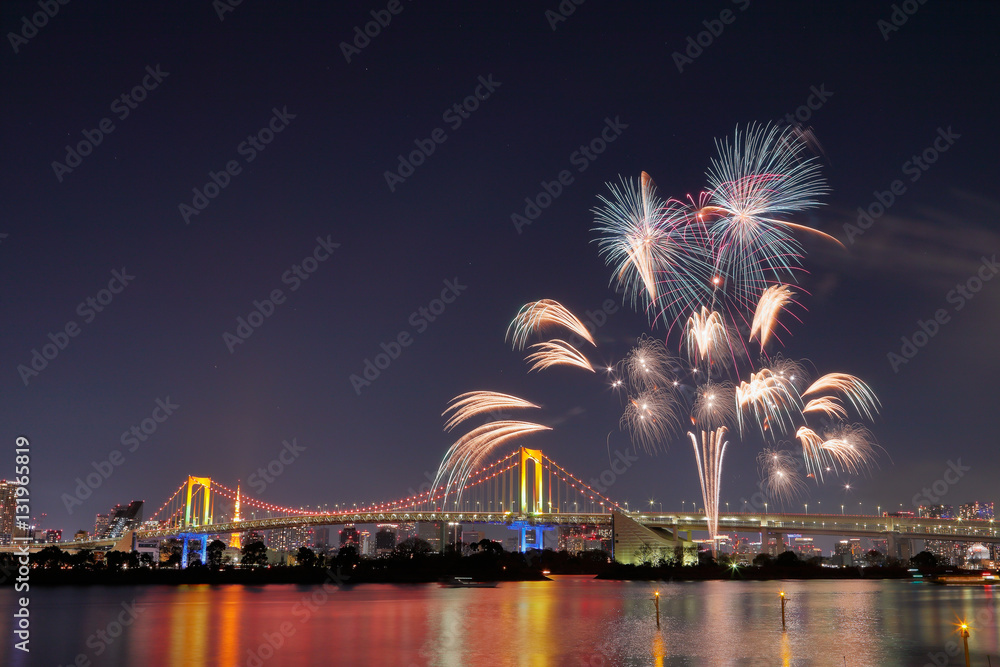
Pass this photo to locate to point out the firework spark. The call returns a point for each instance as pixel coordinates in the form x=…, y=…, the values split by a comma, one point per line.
x=652, y=417
x=851, y=446
x=649, y=365
x=540, y=314
x=556, y=352
x=714, y=406
x=473, y=403
x=782, y=481
x=773, y=300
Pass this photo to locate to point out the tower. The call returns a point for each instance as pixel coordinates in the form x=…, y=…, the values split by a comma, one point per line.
x=235, y=540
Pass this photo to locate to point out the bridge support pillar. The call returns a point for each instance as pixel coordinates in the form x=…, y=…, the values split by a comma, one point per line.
x=203, y=551
x=524, y=529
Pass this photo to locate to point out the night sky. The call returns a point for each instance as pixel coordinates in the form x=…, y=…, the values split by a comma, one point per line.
x=335, y=124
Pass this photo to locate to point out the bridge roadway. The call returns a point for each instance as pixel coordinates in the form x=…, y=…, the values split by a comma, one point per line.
x=843, y=525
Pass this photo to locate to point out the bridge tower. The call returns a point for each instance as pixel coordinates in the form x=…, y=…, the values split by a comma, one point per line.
x=206, y=517
x=537, y=505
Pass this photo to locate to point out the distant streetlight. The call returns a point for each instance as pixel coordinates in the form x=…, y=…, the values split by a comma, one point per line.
x=807, y=507
x=841, y=509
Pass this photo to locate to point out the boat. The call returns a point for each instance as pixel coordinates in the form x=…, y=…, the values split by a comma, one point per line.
x=984, y=579
x=467, y=582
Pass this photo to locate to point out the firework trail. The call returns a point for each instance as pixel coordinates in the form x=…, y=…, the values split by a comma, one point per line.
x=854, y=390
x=816, y=458
x=773, y=300
x=468, y=452
x=540, y=314
x=555, y=352
x=709, y=457
x=827, y=405
x=473, y=403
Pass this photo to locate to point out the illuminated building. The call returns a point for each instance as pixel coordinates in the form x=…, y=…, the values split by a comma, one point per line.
x=8, y=504
x=385, y=539
x=81, y=535
x=121, y=519
x=349, y=537
x=976, y=511
x=53, y=536
x=936, y=511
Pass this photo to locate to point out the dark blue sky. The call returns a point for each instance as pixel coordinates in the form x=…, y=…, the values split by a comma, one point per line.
x=211, y=83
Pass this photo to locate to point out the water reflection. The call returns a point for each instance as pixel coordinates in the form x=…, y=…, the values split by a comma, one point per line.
x=573, y=621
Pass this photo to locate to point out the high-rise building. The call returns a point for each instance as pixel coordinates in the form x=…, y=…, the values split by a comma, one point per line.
x=349, y=536
x=430, y=532
x=385, y=539
x=321, y=538
x=124, y=519
x=936, y=511
x=8, y=510
x=101, y=524
x=976, y=511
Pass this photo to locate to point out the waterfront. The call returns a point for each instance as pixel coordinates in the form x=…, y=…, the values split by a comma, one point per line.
x=569, y=621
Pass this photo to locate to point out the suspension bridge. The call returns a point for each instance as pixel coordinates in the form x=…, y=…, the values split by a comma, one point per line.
x=526, y=491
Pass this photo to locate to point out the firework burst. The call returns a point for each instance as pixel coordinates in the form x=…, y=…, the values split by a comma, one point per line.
x=782, y=480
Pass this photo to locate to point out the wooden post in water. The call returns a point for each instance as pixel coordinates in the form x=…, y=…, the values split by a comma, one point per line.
x=783, y=599
x=965, y=640
x=656, y=599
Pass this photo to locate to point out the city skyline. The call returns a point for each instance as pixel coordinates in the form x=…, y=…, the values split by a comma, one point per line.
x=252, y=270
